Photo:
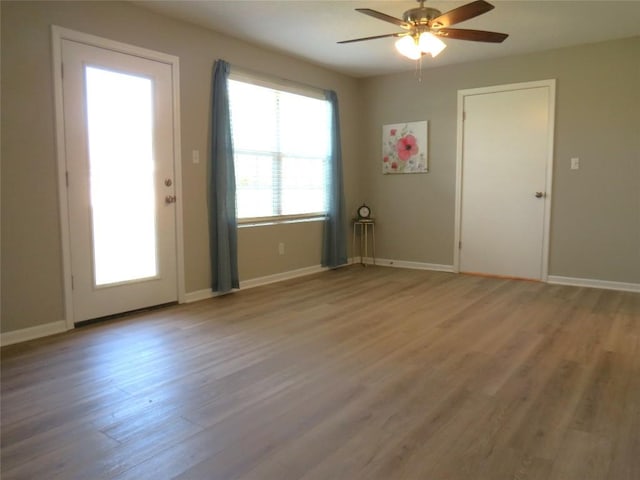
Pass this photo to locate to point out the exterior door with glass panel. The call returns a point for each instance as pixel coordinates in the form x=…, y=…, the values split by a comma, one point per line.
x=120, y=169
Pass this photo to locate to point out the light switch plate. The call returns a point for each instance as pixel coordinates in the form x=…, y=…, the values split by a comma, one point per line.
x=575, y=163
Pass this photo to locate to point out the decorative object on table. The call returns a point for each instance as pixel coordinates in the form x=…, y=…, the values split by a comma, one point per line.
x=363, y=227
x=404, y=148
x=364, y=213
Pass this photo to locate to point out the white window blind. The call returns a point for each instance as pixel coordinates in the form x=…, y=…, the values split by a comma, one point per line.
x=281, y=144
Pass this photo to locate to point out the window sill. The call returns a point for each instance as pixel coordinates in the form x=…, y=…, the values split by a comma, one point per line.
x=272, y=221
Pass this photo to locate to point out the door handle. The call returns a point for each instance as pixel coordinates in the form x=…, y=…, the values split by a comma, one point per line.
x=539, y=194
x=170, y=199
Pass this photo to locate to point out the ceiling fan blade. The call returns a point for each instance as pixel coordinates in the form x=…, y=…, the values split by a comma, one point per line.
x=473, y=35
x=373, y=38
x=384, y=17
x=460, y=14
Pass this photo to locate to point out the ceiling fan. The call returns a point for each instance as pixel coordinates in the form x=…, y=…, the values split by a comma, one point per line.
x=424, y=26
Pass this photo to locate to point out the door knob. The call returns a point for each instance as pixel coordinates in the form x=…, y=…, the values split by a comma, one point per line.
x=168, y=182
x=170, y=199
x=539, y=194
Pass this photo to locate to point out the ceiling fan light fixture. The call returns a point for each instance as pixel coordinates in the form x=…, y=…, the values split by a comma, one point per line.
x=429, y=43
x=417, y=40
x=413, y=47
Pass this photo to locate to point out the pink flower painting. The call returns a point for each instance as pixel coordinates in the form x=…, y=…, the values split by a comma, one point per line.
x=404, y=148
x=407, y=147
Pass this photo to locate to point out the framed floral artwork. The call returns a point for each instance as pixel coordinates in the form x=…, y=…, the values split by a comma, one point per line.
x=404, y=148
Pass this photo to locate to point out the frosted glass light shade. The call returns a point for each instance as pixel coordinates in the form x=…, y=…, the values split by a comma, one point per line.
x=413, y=48
x=429, y=43
x=408, y=47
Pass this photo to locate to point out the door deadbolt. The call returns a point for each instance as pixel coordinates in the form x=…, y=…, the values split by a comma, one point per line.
x=539, y=194
x=168, y=182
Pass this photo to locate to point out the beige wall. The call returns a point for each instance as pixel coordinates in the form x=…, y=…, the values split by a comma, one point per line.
x=32, y=292
x=261, y=258
x=595, y=232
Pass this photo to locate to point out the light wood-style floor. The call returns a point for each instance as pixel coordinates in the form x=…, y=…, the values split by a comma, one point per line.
x=361, y=373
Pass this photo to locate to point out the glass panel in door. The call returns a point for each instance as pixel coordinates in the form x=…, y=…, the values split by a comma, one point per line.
x=123, y=204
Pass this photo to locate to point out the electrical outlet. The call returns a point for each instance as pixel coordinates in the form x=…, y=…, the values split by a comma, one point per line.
x=281, y=248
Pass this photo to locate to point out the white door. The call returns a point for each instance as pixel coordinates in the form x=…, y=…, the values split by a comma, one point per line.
x=118, y=122
x=506, y=136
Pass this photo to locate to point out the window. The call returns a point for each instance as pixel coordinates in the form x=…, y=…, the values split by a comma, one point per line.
x=281, y=144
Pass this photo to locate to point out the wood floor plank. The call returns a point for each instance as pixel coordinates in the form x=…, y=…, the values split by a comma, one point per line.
x=584, y=455
x=358, y=373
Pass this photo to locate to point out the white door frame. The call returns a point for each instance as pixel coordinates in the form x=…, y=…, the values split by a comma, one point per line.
x=551, y=85
x=58, y=34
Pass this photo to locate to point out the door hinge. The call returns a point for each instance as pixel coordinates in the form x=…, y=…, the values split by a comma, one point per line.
x=62, y=70
x=464, y=116
x=460, y=245
x=66, y=177
x=71, y=282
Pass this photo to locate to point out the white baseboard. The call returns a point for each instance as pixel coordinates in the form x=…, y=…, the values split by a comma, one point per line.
x=198, y=295
x=386, y=262
x=591, y=283
x=279, y=277
x=31, y=333
x=256, y=282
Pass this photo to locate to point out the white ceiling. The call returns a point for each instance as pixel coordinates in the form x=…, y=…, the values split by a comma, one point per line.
x=309, y=29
